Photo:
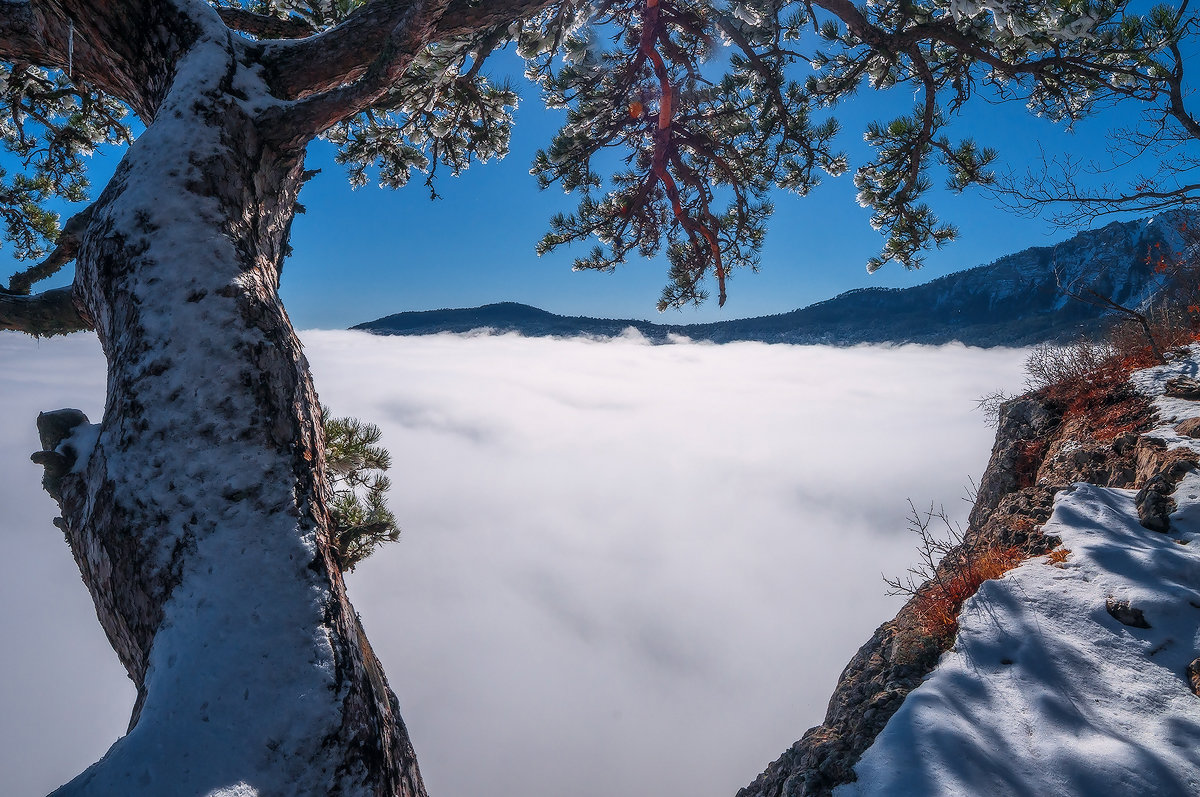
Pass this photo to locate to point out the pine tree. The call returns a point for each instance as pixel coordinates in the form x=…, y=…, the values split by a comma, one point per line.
x=203, y=502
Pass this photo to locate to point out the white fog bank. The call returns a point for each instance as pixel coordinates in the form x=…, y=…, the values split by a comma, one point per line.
x=625, y=569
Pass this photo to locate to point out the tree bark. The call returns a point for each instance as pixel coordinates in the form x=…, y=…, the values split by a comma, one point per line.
x=50, y=313
x=197, y=509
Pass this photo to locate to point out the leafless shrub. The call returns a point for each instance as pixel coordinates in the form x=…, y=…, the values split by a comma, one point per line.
x=937, y=536
x=990, y=404
x=1050, y=364
x=947, y=572
x=1171, y=325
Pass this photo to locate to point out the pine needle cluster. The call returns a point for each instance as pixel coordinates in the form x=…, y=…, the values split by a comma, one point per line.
x=355, y=464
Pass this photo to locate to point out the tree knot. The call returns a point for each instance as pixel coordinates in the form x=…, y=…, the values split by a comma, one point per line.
x=53, y=429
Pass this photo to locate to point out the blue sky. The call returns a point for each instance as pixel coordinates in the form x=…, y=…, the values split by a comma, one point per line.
x=475, y=244
x=359, y=255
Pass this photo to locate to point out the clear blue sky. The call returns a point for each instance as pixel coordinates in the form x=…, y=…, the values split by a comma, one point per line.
x=367, y=253
x=359, y=255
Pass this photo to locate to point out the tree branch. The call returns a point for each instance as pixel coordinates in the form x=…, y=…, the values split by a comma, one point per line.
x=21, y=38
x=50, y=313
x=941, y=31
x=1178, y=109
x=1089, y=295
x=64, y=252
x=125, y=48
x=412, y=31
x=264, y=26
x=343, y=54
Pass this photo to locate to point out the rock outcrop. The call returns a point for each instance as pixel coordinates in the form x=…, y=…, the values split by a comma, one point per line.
x=1045, y=442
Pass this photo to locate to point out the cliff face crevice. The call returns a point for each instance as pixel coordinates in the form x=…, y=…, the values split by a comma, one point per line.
x=1044, y=444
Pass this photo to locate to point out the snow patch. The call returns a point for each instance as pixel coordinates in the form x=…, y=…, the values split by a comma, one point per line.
x=82, y=441
x=1152, y=382
x=1044, y=692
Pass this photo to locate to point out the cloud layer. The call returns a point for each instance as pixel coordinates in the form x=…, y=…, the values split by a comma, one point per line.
x=625, y=570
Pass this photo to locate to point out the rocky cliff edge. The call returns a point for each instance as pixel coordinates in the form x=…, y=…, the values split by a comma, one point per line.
x=1132, y=434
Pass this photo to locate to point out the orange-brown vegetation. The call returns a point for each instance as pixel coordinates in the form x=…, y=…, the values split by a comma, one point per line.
x=1058, y=556
x=1103, y=397
x=1091, y=381
x=1022, y=525
x=948, y=573
x=937, y=605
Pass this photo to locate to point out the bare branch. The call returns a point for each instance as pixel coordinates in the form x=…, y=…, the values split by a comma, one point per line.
x=44, y=314
x=1089, y=295
x=1065, y=186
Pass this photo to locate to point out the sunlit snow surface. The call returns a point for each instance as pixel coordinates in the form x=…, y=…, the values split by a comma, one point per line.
x=625, y=570
x=1044, y=693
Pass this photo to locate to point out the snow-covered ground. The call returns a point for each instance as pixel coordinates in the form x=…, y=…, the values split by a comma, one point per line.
x=625, y=570
x=1044, y=691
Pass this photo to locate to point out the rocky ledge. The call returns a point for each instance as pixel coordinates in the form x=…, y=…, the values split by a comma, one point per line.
x=1105, y=433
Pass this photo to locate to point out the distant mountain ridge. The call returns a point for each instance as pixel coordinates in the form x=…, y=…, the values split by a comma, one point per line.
x=1013, y=301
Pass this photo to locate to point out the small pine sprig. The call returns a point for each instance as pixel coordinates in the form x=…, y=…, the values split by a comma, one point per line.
x=355, y=465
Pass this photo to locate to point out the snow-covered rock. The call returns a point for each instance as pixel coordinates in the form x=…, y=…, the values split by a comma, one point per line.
x=1052, y=687
x=1073, y=676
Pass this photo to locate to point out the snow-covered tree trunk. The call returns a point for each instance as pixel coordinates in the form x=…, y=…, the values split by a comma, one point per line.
x=197, y=508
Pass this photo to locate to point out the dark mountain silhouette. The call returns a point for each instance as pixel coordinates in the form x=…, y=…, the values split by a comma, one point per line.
x=1013, y=301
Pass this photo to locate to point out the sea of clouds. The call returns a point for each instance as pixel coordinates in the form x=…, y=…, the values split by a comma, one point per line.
x=625, y=570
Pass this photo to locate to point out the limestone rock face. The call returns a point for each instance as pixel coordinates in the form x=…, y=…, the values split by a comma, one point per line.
x=1159, y=470
x=1025, y=428
x=1189, y=428
x=871, y=688
x=1155, y=505
x=1193, y=676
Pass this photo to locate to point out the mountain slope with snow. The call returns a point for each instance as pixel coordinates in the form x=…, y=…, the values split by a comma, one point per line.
x=1044, y=691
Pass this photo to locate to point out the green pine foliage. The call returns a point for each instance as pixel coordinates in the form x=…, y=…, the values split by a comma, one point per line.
x=355, y=465
x=52, y=124
x=692, y=101
x=682, y=116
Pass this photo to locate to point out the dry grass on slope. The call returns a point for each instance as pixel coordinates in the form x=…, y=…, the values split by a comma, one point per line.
x=948, y=572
